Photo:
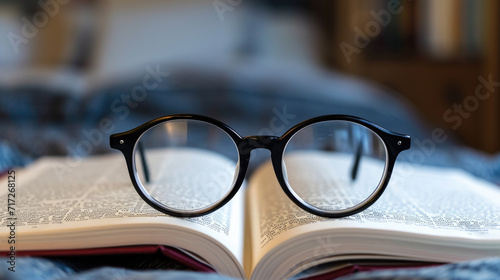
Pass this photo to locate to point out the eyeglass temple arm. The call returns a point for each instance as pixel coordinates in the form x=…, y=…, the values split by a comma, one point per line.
x=355, y=166
x=145, y=167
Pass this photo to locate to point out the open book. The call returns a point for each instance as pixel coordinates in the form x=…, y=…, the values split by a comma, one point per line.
x=425, y=215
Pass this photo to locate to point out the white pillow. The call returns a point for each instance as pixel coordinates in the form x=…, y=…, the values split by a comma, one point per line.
x=133, y=34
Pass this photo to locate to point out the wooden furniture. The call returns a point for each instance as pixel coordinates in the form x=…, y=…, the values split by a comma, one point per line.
x=433, y=53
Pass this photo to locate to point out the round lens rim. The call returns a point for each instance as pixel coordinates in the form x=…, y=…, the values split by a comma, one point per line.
x=394, y=143
x=197, y=211
x=345, y=212
x=126, y=141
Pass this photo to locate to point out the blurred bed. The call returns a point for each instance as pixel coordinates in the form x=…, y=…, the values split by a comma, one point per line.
x=233, y=70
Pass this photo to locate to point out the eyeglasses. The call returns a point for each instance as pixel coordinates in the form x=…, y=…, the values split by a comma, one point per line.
x=190, y=165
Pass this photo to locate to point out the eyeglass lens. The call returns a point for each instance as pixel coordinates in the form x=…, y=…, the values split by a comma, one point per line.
x=186, y=165
x=334, y=166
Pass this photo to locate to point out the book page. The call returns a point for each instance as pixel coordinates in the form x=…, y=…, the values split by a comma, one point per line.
x=64, y=203
x=447, y=205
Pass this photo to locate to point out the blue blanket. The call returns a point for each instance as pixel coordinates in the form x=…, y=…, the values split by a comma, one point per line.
x=42, y=269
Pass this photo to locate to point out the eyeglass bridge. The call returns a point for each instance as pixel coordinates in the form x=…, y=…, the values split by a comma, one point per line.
x=259, y=142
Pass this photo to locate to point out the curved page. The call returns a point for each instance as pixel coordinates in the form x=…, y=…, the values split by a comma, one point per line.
x=66, y=203
x=429, y=214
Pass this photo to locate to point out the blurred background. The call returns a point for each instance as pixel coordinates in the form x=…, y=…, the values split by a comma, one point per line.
x=425, y=64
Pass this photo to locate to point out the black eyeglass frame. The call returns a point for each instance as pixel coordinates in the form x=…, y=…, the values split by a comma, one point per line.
x=394, y=143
